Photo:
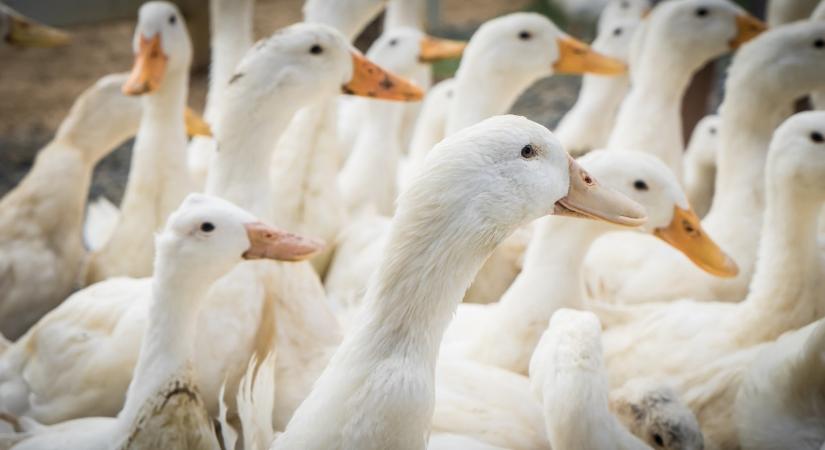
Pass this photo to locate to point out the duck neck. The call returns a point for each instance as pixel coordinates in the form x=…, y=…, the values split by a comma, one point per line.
x=246, y=138
x=655, y=97
x=786, y=290
x=231, y=24
x=480, y=94
x=557, y=252
x=369, y=176
x=588, y=123
x=415, y=292
x=305, y=161
x=158, y=172
x=169, y=341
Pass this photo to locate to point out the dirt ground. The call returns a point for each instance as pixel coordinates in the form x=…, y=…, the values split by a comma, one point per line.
x=38, y=86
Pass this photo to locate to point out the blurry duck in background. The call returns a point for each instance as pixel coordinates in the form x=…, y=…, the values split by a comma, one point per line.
x=764, y=79
x=786, y=292
x=781, y=402
x=568, y=376
x=19, y=31
x=674, y=41
x=700, y=164
x=41, y=251
x=158, y=177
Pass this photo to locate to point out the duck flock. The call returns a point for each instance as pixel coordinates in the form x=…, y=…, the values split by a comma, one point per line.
x=339, y=255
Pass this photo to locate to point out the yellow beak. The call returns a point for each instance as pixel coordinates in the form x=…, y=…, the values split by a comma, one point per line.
x=195, y=124
x=747, y=28
x=685, y=234
x=148, y=69
x=586, y=198
x=434, y=49
x=576, y=57
x=24, y=32
x=370, y=80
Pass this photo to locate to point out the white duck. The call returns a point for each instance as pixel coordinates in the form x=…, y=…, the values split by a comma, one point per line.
x=700, y=163
x=477, y=187
x=41, y=251
x=20, y=31
x=96, y=334
x=504, y=334
x=567, y=374
x=780, y=401
x=587, y=125
x=202, y=241
x=368, y=180
x=230, y=37
x=765, y=77
x=674, y=41
x=158, y=179
x=786, y=292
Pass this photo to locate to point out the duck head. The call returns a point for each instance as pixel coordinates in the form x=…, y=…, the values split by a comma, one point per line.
x=161, y=46
x=796, y=159
x=648, y=181
x=209, y=236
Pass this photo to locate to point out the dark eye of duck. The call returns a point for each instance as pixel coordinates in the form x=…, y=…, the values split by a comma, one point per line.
x=172, y=19
x=712, y=130
x=817, y=137
x=819, y=43
x=701, y=12
x=657, y=438
x=525, y=35
x=617, y=32
x=393, y=42
x=528, y=151
x=316, y=49
x=625, y=5
x=207, y=227
x=640, y=185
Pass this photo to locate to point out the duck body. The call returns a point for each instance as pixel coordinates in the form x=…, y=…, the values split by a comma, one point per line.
x=42, y=251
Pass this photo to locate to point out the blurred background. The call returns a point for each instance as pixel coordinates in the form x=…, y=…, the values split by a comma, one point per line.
x=38, y=86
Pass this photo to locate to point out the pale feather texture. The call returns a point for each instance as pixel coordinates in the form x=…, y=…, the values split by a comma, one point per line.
x=41, y=252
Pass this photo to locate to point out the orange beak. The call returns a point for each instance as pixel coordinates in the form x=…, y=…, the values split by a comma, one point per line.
x=576, y=57
x=370, y=80
x=435, y=49
x=747, y=28
x=148, y=69
x=685, y=234
x=195, y=124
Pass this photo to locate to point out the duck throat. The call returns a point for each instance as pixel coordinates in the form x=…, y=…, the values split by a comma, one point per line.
x=786, y=290
x=169, y=341
x=480, y=94
x=231, y=24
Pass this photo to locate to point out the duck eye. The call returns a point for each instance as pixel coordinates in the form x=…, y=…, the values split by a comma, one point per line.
x=617, y=32
x=207, y=227
x=624, y=5
x=316, y=49
x=817, y=137
x=701, y=12
x=640, y=185
x=393, y=42
x=819, y=43
x=657, y=438
x=528, y=151
x=712, y=130
x=172, y=19
x=524, y=35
